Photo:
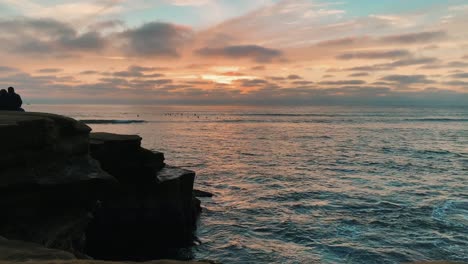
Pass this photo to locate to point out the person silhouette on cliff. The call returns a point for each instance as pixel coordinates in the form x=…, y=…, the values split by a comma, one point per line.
x=14, y=101
x=3, y=99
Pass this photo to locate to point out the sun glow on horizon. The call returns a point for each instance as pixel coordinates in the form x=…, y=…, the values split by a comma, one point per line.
x=280, y=51
x=225, y=79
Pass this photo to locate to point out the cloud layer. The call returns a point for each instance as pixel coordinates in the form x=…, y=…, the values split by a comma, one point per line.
x=254, y=52
x=282, y=52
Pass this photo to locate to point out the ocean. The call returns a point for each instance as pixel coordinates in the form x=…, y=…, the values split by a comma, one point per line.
x=312, y=184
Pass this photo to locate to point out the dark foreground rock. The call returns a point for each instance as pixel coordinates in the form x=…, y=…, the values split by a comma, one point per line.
x=11, y=250
x=124, y=158
x=14, y=252
x=104, y=197
x=48, y=182
x=153, y=214
x=202, y=194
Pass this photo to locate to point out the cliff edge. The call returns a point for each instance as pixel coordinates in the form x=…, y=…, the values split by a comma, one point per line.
x=93, y=195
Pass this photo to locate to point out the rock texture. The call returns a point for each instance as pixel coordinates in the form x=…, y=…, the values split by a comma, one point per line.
x=102, y=196
x=14, y=252
x=124, y=158
x=48, y=181
x=152, y=214
x=202, y=194
x=11, y=250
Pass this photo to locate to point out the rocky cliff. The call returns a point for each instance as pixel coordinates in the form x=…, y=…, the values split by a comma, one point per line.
x=14, y=252
x=93, y=195
x=152, y=213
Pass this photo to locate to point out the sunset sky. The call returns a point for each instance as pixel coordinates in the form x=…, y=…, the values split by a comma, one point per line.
x=236, y=51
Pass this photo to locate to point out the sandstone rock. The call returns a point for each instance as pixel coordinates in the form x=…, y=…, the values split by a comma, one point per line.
x=48, y=182
x=14, y=252
x=44, y=150
x=101, y=195
x=24, y=134
x=124, y=158
x=11, y=250
x=154, y=213
x=107, y=262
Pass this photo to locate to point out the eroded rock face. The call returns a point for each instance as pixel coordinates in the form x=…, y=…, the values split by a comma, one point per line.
x=124, y=158
x=48, y=182
x=153, y=213
x=31, y=137
x=110, y=199
x=14, y=252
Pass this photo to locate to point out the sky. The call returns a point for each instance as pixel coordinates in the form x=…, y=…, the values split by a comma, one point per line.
x=256, y=52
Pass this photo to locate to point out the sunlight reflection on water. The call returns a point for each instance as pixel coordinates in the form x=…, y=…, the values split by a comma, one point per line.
x=314, y=184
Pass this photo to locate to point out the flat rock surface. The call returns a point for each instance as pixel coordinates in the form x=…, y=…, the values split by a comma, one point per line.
x=13, y=251
x=102, y=262
x=45, y=149
x=31, y=137
x=202, y=194
x=123, y=157
x=169, y=173
x=101, y=137
x=8, y=118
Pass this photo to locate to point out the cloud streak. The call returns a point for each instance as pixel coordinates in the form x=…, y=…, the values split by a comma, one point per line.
x=371, y=55
x=253, y=52
x=413, y=38
x=408, y=79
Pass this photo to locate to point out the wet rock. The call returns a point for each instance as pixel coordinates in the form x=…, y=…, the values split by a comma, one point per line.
x=202, y=194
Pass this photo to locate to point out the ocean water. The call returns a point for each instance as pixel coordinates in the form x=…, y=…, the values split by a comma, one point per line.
x=313, y=184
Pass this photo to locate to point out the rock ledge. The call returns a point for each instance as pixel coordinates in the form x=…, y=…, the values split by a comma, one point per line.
x=85, y=194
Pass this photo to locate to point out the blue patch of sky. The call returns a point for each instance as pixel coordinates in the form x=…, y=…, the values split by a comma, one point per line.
x=196, y=16
x=376, y=7
x=199, y=15
x=7, y=11
x=203, y=15
x=164, y=13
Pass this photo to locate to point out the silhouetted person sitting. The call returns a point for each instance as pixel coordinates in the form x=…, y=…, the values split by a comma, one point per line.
x=13, y=100
x=3, y=99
